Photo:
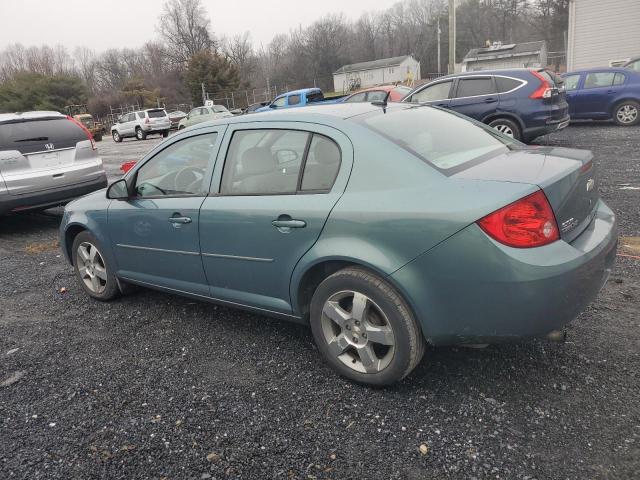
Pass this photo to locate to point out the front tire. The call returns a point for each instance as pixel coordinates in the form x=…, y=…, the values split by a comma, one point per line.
x=627, y=113
x=116, y=136
x=93, y=272
x=507, y=127
x=364, y=329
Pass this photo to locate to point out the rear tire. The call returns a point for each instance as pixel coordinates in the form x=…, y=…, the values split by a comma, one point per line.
x=116, y=136
x=507, y=127
x=141, y=134
x=627, y=113
x=165, y=133
x=364, y=329
x=93, y=272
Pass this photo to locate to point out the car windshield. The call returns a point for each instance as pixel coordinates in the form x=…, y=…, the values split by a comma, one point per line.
x=443, y=139
x=219, y=109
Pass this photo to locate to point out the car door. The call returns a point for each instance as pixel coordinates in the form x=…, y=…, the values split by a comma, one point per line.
x=571, y=87
x=269, y=202
x=475, y=97
x=437, y=94
x=130, y=124
x=194, y=116
x=599, y=92
x=155, y=231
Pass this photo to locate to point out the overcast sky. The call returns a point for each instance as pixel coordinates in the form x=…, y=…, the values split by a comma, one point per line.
x=129, y=23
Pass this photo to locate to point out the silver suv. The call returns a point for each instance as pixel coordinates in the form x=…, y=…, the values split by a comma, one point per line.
x=46, y=159
x=140, y=124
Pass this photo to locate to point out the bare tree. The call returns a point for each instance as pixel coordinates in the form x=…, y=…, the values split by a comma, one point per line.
x=185, y=29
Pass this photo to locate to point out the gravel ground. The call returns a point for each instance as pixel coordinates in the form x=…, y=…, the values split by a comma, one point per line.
x=157, y=386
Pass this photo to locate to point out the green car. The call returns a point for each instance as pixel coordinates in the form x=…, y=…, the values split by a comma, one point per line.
x=204, y=114
x=383, y=227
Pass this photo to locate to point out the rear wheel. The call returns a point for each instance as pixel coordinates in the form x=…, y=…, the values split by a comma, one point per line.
x=141, y=134
x=165, y=133
x=116, y=136
x=507, y=127
x=627, y=113
x=364, y=329
x=93, y=272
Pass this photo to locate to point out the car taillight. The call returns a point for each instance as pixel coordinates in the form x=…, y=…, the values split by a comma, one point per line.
x=86, y=130
x=545, y=90
x=147, y=121
x=525, y=223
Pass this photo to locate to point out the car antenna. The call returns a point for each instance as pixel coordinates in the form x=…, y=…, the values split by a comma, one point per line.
x=382, y=103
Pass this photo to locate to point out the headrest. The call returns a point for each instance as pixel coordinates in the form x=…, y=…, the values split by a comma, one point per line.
x=257, y=161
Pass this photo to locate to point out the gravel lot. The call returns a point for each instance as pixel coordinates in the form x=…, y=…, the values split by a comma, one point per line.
x=157, y=386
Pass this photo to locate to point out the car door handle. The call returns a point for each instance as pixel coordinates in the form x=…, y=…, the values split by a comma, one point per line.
x=289, y=223
x=180, y=220
x=490, y=100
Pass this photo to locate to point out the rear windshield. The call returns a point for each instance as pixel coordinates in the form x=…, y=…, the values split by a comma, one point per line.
x=402, y=90
x=156, y=113
x=315, y=97
x=40, y=135
x=443, y=139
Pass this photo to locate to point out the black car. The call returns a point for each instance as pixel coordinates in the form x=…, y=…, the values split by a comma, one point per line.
x=521, y=103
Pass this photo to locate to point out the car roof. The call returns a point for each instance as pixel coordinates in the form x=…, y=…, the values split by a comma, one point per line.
x=301, y=90
x=314, y=113
x=33, y=115
x=601, y=69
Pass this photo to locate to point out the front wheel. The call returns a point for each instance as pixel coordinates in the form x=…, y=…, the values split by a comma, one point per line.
x=116, y=136
x=93, y=272
x=507, y=127
x=364, y=329
x=627, y=113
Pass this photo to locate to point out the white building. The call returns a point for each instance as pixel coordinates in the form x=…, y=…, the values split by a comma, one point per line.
x=376, y=72
x=514, y=55
x=602, y=33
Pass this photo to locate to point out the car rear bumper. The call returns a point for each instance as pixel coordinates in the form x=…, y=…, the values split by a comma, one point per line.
x=549, y=127
x=471, y=289
x=49, y=198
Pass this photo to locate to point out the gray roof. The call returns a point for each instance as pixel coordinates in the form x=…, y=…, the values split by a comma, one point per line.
x=512, y=50
x=373, y=64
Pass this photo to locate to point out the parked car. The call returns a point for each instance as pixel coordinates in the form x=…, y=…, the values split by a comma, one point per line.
x=299, y=98
x=140, y=124
x=254, y=106
x=46, y=159
x=391, y=93
x=521, y=103
x=382, y=228
x=633, y=64
x=204, y=114
x=175, y=118
x=604, y=94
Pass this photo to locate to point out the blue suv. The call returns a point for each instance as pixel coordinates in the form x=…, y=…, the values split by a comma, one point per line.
x=521, y=103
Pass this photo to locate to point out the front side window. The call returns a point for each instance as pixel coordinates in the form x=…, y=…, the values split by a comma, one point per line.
x=472, y=87
x=376, y=96
x=571, y=82
x=294, y=99
x=599, y=79
x=194, y=113
x=271, y=162
x=355, y=98
x=179, y=169
x=315, y=97
x=219, y=109
x=439, y=91
x=280, y=102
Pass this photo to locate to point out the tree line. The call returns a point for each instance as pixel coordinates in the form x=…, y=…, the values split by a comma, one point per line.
x=187, y=53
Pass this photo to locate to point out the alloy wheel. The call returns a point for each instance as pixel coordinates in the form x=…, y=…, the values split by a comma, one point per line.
x=91, y=267
x=505, y=129
x=358, y=332
x=627, y=114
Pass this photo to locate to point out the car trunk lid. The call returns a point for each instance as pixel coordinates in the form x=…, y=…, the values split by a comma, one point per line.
x=567, y=177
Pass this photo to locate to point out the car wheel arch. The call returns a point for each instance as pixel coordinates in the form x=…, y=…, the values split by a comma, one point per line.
x=508, y=116
x=71, y=232
x=619, y=102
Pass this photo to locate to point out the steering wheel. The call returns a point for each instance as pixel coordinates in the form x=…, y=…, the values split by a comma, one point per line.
x=143, y=185
x=188, y=176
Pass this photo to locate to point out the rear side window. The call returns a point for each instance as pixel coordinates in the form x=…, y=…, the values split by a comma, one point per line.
x=294, y=99
x=141, y=115
x=618, y=79
x=358, y=97
x=402, y=91
x=40, y=135
x=505, y=84
x=322, y=164
x=445, y=140
x=471, y=87
x=156, y=113
x=599, y=79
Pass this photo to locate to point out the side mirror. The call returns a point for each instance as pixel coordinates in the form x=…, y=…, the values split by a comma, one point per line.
x=118, y=190
x=273, y=105
x=188, y=116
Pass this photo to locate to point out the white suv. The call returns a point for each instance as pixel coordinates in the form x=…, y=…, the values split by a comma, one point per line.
x=140, y=124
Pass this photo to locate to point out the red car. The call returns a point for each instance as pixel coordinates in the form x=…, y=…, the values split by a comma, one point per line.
x=379, y=93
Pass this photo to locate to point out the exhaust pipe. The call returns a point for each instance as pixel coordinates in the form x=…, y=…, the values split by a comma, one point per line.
x=559, y=336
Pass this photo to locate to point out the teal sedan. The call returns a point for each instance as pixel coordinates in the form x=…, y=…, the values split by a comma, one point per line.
x=383, y=227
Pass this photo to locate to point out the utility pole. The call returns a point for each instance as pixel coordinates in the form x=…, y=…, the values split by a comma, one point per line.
x=439, y=32
x=452, y=36
x=204, y=94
